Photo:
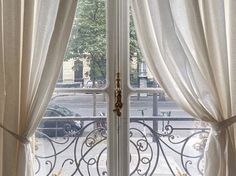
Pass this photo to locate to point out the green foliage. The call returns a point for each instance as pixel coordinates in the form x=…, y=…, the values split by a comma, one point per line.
x=134, y=51
x=88, y=35
x=91, y=28
x=134, y=48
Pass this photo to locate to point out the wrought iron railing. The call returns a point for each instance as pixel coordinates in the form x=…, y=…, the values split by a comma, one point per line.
x=157, y=146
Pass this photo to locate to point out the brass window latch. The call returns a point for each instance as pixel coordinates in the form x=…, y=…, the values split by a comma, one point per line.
x=118, y=96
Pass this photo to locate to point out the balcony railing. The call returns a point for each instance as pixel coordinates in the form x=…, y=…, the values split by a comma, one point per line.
x=167, y=146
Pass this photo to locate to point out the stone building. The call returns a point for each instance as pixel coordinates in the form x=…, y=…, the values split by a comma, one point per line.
x=78, y=70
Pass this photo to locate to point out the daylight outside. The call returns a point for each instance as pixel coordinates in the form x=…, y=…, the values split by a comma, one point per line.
x=72, y=136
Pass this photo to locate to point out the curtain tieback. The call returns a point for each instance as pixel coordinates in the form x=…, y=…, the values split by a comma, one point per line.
x=218, y=126
x=22, y=139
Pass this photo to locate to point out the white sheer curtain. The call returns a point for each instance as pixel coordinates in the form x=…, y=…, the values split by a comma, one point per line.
x=33, y=38
x=189, y=46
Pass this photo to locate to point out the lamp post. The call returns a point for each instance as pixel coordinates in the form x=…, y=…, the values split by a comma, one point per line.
x=142, y=77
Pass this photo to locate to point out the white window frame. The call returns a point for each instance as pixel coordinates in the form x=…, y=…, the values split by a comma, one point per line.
x=117, y=54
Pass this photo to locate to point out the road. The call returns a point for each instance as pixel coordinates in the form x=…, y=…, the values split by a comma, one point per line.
x=83, y=104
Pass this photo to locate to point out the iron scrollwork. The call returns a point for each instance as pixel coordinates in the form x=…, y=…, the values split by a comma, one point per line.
x=81, y=153
x=84, y=153
x=154, y=150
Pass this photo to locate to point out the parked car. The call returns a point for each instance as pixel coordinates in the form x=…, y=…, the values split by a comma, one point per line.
x=62, y=127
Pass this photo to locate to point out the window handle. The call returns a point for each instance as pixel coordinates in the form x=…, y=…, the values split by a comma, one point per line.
x=118, y=96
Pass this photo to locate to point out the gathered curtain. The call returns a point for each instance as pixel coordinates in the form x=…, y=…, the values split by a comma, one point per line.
x=33, y=39
x=189, y=46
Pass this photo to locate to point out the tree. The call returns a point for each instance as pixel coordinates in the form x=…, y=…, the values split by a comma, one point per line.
x=134, y=52
x=88, y=38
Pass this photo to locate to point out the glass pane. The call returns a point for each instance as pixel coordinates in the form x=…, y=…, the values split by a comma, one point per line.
x=140, y=75
x=164, y=139
x=85, y=58
x=71, y=140
x=71, y=137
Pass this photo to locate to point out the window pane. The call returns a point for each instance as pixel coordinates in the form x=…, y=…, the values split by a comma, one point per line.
x=164, y=140
x=140, y=75
x=71, y=138
x=85, y=58
x=73, y=141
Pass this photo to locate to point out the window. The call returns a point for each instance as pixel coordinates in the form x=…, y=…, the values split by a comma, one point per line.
x=152, y=136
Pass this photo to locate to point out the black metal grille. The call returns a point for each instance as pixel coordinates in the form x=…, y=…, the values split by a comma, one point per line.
x=84, y=152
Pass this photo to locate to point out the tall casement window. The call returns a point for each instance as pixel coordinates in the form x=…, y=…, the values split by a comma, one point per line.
x=108, y=115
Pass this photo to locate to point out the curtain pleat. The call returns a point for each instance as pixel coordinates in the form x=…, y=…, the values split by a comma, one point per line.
x=34, y=35
x=189, y=46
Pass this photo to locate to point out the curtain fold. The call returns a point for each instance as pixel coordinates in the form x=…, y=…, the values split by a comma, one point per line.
x=189, y=46
x=34, y=35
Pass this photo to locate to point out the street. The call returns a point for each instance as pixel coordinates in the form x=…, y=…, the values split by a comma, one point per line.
x=83, y=104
